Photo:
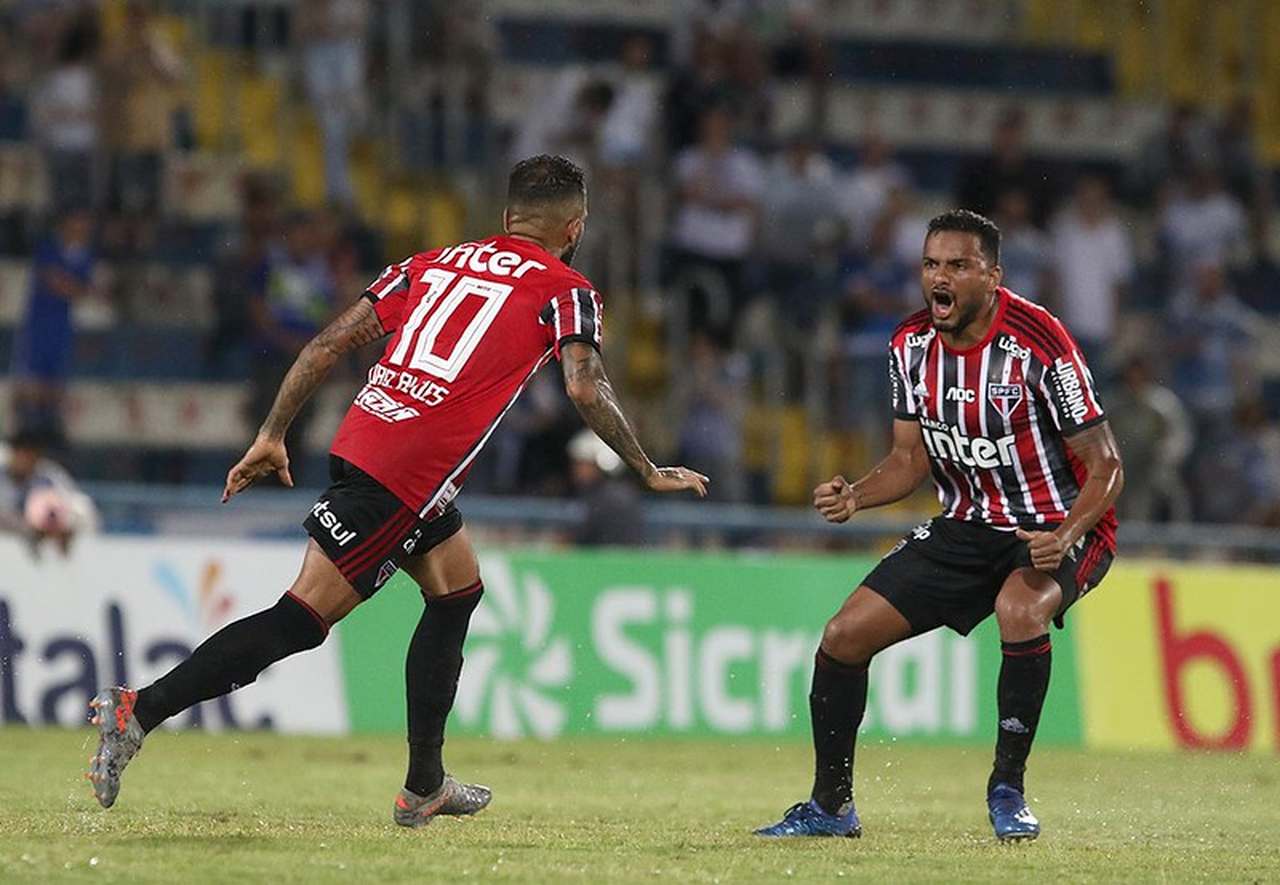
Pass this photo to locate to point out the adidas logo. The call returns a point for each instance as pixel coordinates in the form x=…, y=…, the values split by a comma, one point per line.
x=1014, y=725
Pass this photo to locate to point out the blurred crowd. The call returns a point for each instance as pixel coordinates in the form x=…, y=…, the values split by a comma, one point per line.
x=779, y=265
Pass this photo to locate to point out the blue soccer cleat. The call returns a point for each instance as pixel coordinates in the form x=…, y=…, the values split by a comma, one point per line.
x=808, y=819
x=1010, y=816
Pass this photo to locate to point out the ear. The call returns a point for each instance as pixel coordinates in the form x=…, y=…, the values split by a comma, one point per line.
x=997, y=276
x=506, y=221
x=573, y=230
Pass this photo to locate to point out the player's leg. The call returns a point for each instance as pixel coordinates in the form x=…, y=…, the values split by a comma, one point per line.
x=866, y=623
x=1025, y=606
x=229, y=659
x=449, y=577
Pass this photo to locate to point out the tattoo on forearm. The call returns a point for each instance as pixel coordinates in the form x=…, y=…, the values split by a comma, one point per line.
x=357, y=326
x=604, y=414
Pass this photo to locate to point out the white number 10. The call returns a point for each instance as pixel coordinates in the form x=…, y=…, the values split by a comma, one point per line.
x=438, y=306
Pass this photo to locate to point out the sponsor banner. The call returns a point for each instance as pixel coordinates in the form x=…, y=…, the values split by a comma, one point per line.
x=669, y=644
x=1182, y=656
x=124, y=610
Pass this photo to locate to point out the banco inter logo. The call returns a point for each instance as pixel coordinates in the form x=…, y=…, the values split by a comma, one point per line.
x=516, y=672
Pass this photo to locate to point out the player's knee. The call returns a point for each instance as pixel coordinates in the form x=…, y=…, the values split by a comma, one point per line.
x=1021, y=616
x=845, y=640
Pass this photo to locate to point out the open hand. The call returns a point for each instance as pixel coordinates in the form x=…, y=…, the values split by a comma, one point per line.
x=676, y=479
x=1047, y=549
x=835, y=500
x=264, y=456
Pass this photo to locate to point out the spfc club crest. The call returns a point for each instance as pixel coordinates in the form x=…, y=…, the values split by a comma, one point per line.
x=1005, y=397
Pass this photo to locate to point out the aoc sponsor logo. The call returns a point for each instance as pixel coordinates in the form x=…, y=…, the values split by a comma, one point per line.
x=1067, y=379
x=961, y=395
x=1008, y=345
x=947, y=443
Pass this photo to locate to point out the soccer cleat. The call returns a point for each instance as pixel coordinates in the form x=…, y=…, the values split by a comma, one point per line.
x=808, y=819
x=1010, y=817
x=453, y=798
x=119, y=739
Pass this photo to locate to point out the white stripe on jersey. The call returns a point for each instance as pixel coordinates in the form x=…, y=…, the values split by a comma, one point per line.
x=908, y=389
x=599, y=318
x=982, y=423
x=577, y=311
x=975, y=484
x=942, y=416
x=1008, y=428
x=555, y=310
x=1087, y=377
x=1042, y=455
x=442, y=495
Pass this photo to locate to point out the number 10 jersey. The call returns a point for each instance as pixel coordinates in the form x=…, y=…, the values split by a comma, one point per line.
x=470, y=325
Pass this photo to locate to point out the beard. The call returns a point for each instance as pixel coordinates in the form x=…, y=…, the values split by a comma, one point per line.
x=570, y=251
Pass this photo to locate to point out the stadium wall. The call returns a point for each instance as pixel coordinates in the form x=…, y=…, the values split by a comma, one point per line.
x=1162, y=656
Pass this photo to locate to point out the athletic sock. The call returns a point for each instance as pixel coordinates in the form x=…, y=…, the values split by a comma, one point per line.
x=1024, y=680
x=837, y=701
x=231, y=658
x=431, y=671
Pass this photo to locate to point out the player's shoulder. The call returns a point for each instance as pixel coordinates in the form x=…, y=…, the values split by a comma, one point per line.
x=1034, y=326
x=913, y=329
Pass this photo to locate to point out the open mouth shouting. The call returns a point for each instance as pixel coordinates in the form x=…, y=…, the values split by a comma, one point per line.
x=942, y=303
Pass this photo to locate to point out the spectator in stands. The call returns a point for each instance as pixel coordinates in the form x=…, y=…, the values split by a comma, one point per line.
x=1201, y=223
x=1239, y=481
x=294, y=299
x=64, y=106
x=879, y=291
x=62, y=273
x=141, y=71
x=866, y=191
x=719, y=185
x=694, y=89
x=1093, y=263
x=1007, y=167
x=710, y=398
x=39, y=500
x=626, y=136
x=332, y=36
x=1026, y=253
x=614, y=513
x=1171, y=154
x=1155, y=436
x=1237, y=154
x=238, y=273
x=1213, y=339
x=799, y=218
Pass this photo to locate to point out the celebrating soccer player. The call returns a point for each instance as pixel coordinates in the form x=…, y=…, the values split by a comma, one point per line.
x=470, y=325
x=993, y=400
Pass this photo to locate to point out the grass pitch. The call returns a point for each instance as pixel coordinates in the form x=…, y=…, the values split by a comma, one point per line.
x=264, y=808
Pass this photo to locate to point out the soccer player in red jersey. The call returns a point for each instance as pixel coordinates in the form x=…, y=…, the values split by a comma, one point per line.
x=992, y=400
x=469, y=325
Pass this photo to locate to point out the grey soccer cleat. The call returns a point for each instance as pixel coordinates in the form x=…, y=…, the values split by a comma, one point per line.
x=453, y=798
x=119, y=740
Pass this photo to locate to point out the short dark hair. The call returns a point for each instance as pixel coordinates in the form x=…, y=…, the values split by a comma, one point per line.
x=967, y=222
x=545, y=180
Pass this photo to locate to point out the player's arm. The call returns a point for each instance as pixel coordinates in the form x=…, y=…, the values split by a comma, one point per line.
x=357, y=326
x=1097, y=450
x=588, y=387
x=895, y=477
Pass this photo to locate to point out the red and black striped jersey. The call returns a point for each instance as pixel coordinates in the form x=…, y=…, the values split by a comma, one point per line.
x=470, y=325
x=995, y=417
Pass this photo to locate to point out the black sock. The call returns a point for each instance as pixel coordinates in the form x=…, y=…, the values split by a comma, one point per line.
x=837, y=701
x=231, y=658
x=1024, y=680
x=431, y=672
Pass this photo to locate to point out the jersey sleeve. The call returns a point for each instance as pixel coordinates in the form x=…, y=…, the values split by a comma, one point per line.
x=573, y=315
x=904, y=405
x=389, y=293
x=1069, y=389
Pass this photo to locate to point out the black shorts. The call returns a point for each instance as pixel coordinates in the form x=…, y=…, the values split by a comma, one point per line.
x=367, y=532
x=948, y=572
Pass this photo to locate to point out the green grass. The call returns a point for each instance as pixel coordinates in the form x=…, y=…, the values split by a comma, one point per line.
x=256, y=807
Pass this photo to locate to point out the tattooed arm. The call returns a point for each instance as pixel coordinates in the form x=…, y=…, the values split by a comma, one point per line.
x=589, y=388
x=356, y=326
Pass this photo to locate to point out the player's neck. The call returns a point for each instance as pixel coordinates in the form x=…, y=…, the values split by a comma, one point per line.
x=977, y=330
x=530, y=238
